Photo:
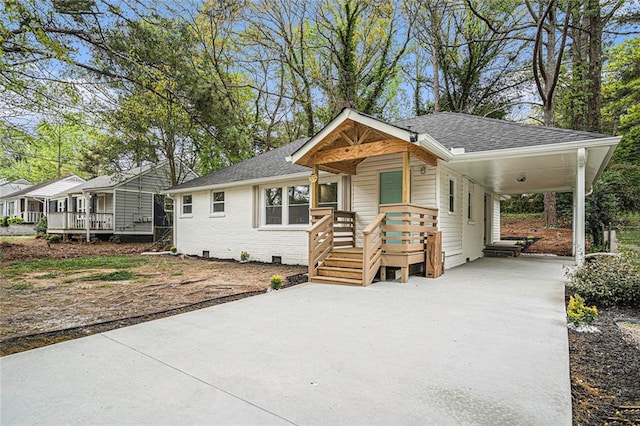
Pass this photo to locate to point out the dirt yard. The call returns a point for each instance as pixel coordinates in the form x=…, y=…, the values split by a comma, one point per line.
x=551, y=240
x=36, y=298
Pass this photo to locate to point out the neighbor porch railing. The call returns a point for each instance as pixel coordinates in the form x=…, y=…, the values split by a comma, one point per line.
x=31, y=216
x=78, y=221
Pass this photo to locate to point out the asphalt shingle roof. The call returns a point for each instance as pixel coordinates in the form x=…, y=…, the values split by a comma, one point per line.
x=452, y=130
x=475, y=134
x=271, y=163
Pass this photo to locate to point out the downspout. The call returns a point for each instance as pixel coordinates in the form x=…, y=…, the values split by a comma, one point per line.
x=579, y=234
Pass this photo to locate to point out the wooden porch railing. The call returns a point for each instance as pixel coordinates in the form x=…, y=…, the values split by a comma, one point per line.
x=77, y=221
x=344, y=224
x=405, y=230
x=372, y=249
x=320, y=243
x=406, y=227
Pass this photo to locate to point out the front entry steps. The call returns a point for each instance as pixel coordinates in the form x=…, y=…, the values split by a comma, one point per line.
x=342, y=266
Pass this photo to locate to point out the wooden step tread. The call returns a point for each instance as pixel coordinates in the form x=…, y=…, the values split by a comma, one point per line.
x=337, y=272
x=335, y=280
x=339, y=268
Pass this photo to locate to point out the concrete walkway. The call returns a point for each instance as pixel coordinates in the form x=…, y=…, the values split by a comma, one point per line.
x=484, y=344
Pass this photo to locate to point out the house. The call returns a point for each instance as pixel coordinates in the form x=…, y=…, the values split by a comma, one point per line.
x=364, y=195
x=30, y=203
x=7, y=187
x=128, y=205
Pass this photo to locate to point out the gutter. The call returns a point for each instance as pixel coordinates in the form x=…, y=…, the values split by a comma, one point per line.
x=536, y=150
x=257, y=181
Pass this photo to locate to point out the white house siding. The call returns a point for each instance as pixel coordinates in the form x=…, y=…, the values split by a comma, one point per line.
x=364, y=187
x=225, y=235
x=451, y=223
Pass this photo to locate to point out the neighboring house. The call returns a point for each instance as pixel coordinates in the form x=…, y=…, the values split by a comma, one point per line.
x=129, y=205
x=438, y=176
x=7, y=187
x=31, y=202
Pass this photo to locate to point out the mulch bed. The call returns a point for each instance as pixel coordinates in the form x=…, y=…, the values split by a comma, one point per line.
x=605, y=372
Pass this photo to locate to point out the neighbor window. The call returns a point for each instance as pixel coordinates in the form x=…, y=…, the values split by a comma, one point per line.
x=217, y=202
x=273, y=197
x=328, y=196
x=452, y=195
x=187, y=204
x=469, y=205
x=298, y=205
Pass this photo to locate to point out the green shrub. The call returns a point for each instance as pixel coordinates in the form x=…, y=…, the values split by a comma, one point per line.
x=4, y=221
x=276, y=282
x=578, y=313
x=15, y=221
x=54, y=238
x=41, y=227
x=608, y=281
x=114, y=239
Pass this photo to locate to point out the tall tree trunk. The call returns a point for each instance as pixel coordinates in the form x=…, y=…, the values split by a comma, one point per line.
x=594, y=98
x=550, y=216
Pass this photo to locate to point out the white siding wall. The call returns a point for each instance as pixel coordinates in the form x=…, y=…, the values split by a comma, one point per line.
x=472, y=229
x=364, y=186
x=462, y=238
x=226, y=235
x=450, y=223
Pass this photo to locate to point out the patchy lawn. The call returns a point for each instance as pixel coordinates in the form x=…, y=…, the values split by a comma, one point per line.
x=71, y=285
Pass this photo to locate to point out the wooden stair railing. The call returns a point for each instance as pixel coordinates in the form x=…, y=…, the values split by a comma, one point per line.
x=320, y=243
x=372, y=249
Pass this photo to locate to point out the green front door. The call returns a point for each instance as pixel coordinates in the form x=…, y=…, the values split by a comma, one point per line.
x=391, y=187
x=391, y=193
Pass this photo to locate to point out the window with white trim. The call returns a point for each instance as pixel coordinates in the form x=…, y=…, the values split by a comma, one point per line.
x=298, y=205
x=187, y=204
x=217, y=202
x=452, y=195
x=273, y=210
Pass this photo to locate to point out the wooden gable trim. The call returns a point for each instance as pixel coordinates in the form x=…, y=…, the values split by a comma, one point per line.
x=372, y=149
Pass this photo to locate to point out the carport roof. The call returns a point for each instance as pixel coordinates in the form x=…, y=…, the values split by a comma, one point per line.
x=476, y=134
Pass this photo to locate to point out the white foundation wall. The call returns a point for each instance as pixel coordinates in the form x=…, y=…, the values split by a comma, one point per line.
x=226, y=235
x=365, y=187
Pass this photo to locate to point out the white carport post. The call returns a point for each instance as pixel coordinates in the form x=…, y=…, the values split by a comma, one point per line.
x=579, y=194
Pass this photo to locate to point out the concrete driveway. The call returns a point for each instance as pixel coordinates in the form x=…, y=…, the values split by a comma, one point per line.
x=484, y=344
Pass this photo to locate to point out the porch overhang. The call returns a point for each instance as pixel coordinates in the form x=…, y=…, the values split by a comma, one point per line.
x=352, y=137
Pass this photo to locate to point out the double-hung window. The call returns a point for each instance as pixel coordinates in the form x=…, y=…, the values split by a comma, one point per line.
x=217, y=202
x=273, y=198
x=289, y=205
x=298, y=205
x=187, y=204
